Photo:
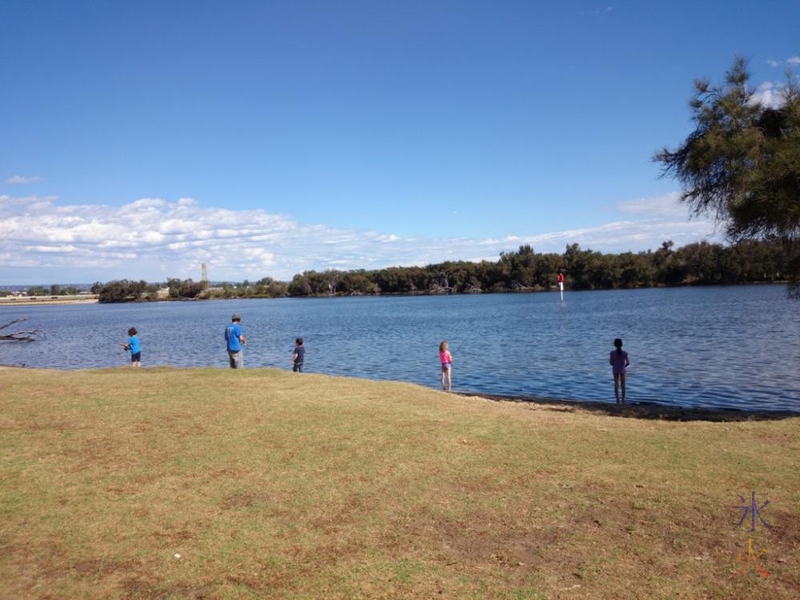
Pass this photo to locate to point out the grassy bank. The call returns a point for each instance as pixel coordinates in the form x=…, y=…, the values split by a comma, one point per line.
x=210, y=483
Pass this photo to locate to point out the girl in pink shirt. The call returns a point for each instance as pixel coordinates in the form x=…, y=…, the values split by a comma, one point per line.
x=447, y=366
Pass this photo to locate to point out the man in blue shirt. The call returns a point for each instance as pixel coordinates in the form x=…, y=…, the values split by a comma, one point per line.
x=235, y=340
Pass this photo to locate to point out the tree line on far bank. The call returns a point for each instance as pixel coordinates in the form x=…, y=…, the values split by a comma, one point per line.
x=52, y=290
x=702, y=263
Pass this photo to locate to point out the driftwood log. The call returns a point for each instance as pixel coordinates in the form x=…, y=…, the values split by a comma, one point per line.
x=22, y=335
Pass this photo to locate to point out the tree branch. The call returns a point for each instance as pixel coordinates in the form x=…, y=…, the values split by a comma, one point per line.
x=25, y=335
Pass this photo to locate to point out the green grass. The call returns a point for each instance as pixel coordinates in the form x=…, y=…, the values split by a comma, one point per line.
x=270, y=484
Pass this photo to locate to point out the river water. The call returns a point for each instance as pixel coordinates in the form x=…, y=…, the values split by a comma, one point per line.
x=735, y=347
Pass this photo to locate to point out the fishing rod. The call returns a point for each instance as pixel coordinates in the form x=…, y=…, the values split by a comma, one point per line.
x=116, y=341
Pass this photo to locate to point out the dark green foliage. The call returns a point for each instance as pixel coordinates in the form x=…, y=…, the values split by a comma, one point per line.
x=125, y=291
x=185, y=288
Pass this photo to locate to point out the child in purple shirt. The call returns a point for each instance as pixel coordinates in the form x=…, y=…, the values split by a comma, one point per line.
x=619, y=360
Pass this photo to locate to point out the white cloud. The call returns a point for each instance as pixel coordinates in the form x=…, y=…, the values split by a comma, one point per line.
x=42, y=241
x=52, y=249
x=770, y=95
x=19, y=179
x=646, y=223
x=663, y=206
x=596, y=11
x=791, y=61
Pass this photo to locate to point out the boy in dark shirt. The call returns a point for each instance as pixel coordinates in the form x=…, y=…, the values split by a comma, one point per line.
x=299, y=355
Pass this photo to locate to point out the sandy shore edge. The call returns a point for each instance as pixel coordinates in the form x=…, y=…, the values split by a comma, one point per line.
x=45, y=301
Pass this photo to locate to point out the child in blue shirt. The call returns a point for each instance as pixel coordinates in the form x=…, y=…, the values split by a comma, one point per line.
x=134, y=346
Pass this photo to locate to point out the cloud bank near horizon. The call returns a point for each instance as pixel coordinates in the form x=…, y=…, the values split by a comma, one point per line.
x=21, y=180
x=42, y=241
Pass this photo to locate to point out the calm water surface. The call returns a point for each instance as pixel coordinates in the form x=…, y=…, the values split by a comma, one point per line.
x=714, y=347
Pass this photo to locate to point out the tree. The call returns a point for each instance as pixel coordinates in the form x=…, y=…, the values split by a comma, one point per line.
x=742, y=161
x=300, y=286
x=122, y=291
x=331, y=279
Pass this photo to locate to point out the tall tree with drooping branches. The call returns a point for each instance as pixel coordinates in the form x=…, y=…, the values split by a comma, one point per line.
x=742, y=161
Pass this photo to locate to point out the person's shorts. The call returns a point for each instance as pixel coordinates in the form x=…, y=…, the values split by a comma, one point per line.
x=235, y=359
x=137, y=357
x=446, y=368
x=298, y=367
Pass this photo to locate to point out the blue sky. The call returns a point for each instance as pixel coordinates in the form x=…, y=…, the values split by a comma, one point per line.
x=140, y=139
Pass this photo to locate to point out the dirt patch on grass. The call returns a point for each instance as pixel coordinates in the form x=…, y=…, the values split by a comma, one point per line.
x=238, y=501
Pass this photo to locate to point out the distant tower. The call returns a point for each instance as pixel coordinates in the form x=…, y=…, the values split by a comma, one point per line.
x=204, y=275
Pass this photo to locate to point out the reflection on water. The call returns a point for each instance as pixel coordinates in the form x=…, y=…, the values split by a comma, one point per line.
x=735, y=346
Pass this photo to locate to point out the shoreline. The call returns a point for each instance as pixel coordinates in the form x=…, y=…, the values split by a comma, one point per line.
x=47, y=301
x=65, y=300
x=639, y=410
x=631, y=410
